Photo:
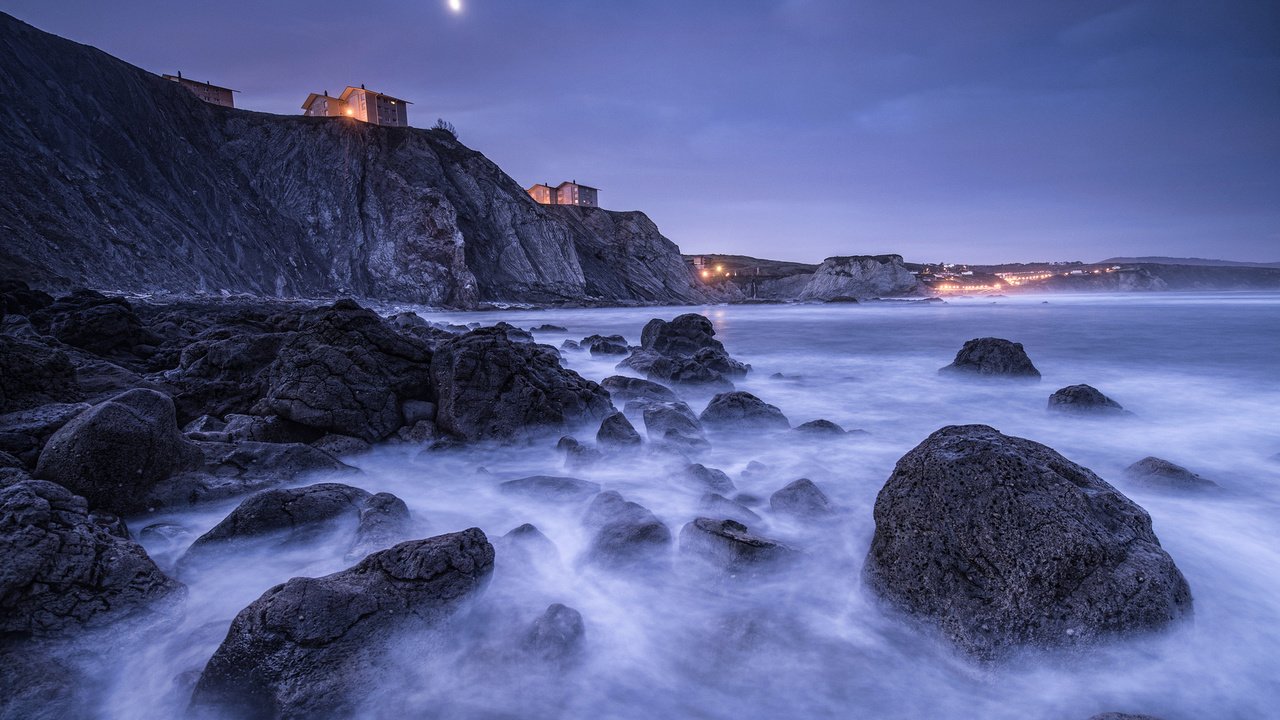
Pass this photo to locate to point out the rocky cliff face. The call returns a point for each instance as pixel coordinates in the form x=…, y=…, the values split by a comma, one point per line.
x=860, y=276
x=120, y=180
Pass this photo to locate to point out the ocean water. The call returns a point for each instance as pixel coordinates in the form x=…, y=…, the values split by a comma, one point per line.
x=1199, y=372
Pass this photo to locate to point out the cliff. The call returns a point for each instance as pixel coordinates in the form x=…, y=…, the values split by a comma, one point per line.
x=119, y=180
x=1154, y=277
x=861, y=276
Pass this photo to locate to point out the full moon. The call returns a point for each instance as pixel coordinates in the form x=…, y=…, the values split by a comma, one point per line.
x=455, y=6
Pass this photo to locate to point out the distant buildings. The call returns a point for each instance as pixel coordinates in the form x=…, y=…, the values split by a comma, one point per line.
x=566, y=193
x=207, y=92
x=363, y=105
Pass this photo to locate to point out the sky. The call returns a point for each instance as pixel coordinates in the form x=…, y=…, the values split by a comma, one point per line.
x=799, y=129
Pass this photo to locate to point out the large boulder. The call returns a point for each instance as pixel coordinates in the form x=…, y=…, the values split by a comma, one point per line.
x=672, y=422
x=61, y=568
x=25, y=432
x=801, y=499
x=1003, y=543
x=992, y=357
x=224, y=371
x=92, y=321
x=741, y=410
x=116, y=452
x=729, y=545
x=684, y=351
x=491, y=388
x=1084, y=400
x=625, y=534
x=1155, y=473
x=616, y=431
x=308, y=647
x=605, y=344
x=290, y=514
x=622, y=388
x=34, y=374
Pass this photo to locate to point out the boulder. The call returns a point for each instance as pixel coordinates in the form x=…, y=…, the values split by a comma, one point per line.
x=61, y=569
x=625, y=534
x=384, y=521
x=115, y=453
x=820, y=428
x=1156, y=473
x=801, y=499
x=605, y=344
x=1002, y=544
x=550, y=487
x=340, y=445
x=740, y=410
x=716, y=505
x=491, y=388
x=17, y=298
x=230, y=469
x=577, y=455
x=523, y=547
x=1084, y=400
x=705, y=478
x=308, y=647
x=684, y=351
x=290, y=515
x=557, y=635
x=91, y=321
x=992, y=357
x=548, y=327
x=728, y=544
x=616, y=431
x=622, y=388
x=672, y=422
x=25, y=432
x=33, y=374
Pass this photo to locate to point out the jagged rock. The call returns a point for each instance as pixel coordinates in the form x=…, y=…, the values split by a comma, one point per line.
x=625, y=533
x=262, y=428
x=684, y=351
x=801, y=499
x=116, y=452
x=605, y=344
x=992, y=357
x=493, y=389
x=550, y=487
x=706, y=478
x=616, y=431
x=307, y=647
x=622, y=388
x=730, y=545
x=740, y=410
x=556, y=635
x=217, y=375
x=1155, y=473
x=17, y=298
x=1083, y=400
x=60, y=570
x=24, y=433
x=672, y=422
x=91, y=321
x=230, y=469
x=717, y=505
x=1003, y=543
x=846, y=279
x=384, y=521
x=820, y=428
x=33, y=374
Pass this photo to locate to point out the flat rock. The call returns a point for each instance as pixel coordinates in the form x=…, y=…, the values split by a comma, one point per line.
x=1158, y=474
x=730, y=545
x=993, y=357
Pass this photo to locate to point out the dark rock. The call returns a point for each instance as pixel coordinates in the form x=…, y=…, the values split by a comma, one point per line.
x=415, y=411
x=421, y=432
x=622, y=388
x=1083, y=400
x=33, y=374
x=230, y=469
x=493, y=389
x=291, y=515
x=24, y=433
x=820, y=428
x=570, y=345
x=524, y=546
x=224, y=372
x=340, y=445
x=1003, y=543
x=1155, y=473
x=384, y=521
x=17, y=298
x=625, y=533
x=684, y=351
x=550, y=487
x=556, y=635
x=204, y=424
x=513, y=333
x=729, y=545
x=705, y=478
x=616, y=431
x=116, y=452
x=740, y=410
x=992, y=357
x=1122, y=716
x=605, y=344
x=672, y=421
x=306, y=648
x=716, y=505
x=92, y=321
x=35, y=684
x=801, y=499
x=548, y=327
x=60, y=571
x=264, y=428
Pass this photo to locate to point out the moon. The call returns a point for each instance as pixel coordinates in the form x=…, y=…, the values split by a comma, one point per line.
x=455, y=6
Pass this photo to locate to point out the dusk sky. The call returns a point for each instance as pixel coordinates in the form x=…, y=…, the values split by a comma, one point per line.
x=799, y=129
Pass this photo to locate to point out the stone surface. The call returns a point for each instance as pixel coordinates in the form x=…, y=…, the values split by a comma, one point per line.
x=557, y=635
x=61, y=570
x=1158, y=474
x=1002, y=543
x=616, y=431
x=819, y=428
x=605, y=344
x=718, y=506
x=384, y=521
x=25, y=432
x=684, y=351
x=625, y=534
x=705, y=478
x=992, y=357
x=33, y=374
x=801, y=499
x=290, y=515
x=672, y=422
x=307, y=647
x=860, y=276
x=1083, y=400
x=550, y=487
x=622, y=388
x=741, y=410
x=728, y=544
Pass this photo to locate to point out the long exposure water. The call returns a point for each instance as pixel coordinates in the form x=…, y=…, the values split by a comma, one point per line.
x=1199, y=372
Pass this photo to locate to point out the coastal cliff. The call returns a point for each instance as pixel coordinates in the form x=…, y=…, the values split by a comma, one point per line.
x=120, y=180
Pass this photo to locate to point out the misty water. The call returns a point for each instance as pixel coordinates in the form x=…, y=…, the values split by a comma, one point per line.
x=1198, y=371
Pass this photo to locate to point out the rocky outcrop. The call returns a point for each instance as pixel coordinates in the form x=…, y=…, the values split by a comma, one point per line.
x=62, y=569
x=672, y=422
x=190, y=197
x=306, y=647
x=992, y=357
x=1002, y=543
x=625, y=534
x=1155, y=473
x=684, y=351
x=622, y=389
x=490, y=388
x=729, y=545
x=1084, y=400
x=860, y=276
x=741, y=410
x=616, y=431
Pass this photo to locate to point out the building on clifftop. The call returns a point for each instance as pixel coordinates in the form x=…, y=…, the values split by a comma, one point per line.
x=569, y=192
x=208, y=92
x=361, y=104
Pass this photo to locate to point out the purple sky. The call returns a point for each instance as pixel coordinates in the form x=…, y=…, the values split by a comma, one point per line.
x=799, y=129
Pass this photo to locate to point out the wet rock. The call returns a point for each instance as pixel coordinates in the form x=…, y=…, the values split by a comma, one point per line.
x=992, y=357
x=224, y=372
x=548, y=327
x=577, y=455
x=616, y=431
x=672, y=421
x=384, y=521
x=1003, y=543
x=33, y=374
x=684, y=351
x=605, y=344
x=1083, y=400
x=307, y=647
x=1155, y=473
x=717, y=505
x=512, y=333
x=730, y=545
x=91, y=321
x=524, y=546
x=116, y=452
x=493, y=389
x=801, y=499
x=60, y=570
x=820, y=428
x=742, y=411
x=622, y=388
x=342, y=445
x=36, y=684
x=230, y=469
x=24, y=433
x=557, y=635
x=419, y=433
x=290, y=515
x=570, y=345
x=706, y=478
x=203, y=425
x=626, y=534
x=550, y=487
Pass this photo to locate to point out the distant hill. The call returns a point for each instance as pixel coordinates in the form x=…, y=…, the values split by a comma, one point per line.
x=1161, y=260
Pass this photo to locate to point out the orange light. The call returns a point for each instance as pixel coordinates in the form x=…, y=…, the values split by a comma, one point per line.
x=706, y=273
x=350, y=111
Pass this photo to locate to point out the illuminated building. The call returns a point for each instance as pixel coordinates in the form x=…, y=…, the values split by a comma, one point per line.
x=208, y=92
x=566, y=193
x=360, y=104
